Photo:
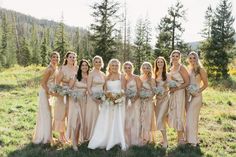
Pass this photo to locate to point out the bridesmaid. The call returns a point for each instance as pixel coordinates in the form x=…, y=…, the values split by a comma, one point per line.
x=77, y=106
x=147, y=106
x=43, y=129
x=132, y=121
x=96, y=80
x=198, y=77
x=162, y=100
x=67, y=72
x=176, y=114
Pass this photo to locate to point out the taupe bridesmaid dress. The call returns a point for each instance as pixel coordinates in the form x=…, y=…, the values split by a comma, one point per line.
x=61, y=108
x=147, y=116
x=76, y=113
x=132, y=119
x=43, y=129
x=193, y=111
x=162, y=106
x=176, y=112
x=92, y=108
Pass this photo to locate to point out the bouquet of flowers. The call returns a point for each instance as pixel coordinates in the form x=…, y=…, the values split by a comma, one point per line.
x=99, y=95
x=65, y=90
x=172, y=84
x=76, y=94
x=61, y=90
x=145, y=94
x=55, y=88
x=192, y=89
x=115, y=98
x=159, y=90
x=130, y=93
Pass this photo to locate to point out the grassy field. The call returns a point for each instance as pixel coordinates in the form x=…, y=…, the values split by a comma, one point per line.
x=18, y=105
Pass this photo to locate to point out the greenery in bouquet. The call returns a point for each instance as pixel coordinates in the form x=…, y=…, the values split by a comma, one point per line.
x=145, y=94
x=159, y=90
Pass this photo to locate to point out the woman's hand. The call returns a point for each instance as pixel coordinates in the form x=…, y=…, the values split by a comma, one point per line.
x=172, y=90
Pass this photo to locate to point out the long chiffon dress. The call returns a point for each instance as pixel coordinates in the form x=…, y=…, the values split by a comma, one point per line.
x=176, y=113
x=43, y=129
x=132, y=121
x=193, y=111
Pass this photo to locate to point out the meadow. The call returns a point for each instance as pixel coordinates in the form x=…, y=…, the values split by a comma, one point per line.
x=18, y=105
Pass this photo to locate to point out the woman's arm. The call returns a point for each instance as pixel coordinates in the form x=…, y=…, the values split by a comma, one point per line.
x=139, y=84
x=89, y=83
x=72, y=83
x=45, y=78
x=59, y=77
x=185, y=75
x=204, y=79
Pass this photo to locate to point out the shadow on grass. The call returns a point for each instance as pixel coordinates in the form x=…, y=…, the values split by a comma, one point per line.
x=150, y=150
x=58, y=150
x=7, y=87
x=185, y=151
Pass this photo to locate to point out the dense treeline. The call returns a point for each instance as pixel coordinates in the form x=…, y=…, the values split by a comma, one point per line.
x=25, y=40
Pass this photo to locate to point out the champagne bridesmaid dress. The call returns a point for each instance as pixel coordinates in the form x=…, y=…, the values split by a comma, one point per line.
x=176, y=113
x=132, y=121
x=147, y=116
x=162, y=106
x=92, y=108
x=43, y=129
x=193, y=110
x=76, y=113
x=62, y=103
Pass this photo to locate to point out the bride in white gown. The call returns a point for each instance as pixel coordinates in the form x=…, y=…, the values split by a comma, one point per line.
x=109, y=129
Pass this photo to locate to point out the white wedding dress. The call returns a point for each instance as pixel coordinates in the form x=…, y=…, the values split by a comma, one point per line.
x=109, y=129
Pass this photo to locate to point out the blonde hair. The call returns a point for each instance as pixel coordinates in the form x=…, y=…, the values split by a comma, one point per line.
x=198, y=66
x=128, y=63
x=173, y=52
x=150, y=65
x=108, y=71
x=55, y=53
x=98, y=57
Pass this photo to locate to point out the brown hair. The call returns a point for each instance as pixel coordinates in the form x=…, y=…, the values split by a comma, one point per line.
x=67, y=55
x=156, y=69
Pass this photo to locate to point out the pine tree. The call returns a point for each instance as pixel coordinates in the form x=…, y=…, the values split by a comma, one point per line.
x=34, y=44
x=61, y=43
x=217, y=46
x=139, y=54
x=147, y=40
x=44, y=50
x=105, y=15
x=206, y=32
x=170, y=31
x=11, y=46
x=3, y=50
x=25, y=56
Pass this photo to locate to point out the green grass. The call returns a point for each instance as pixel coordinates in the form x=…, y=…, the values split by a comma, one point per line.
x=18, y=105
